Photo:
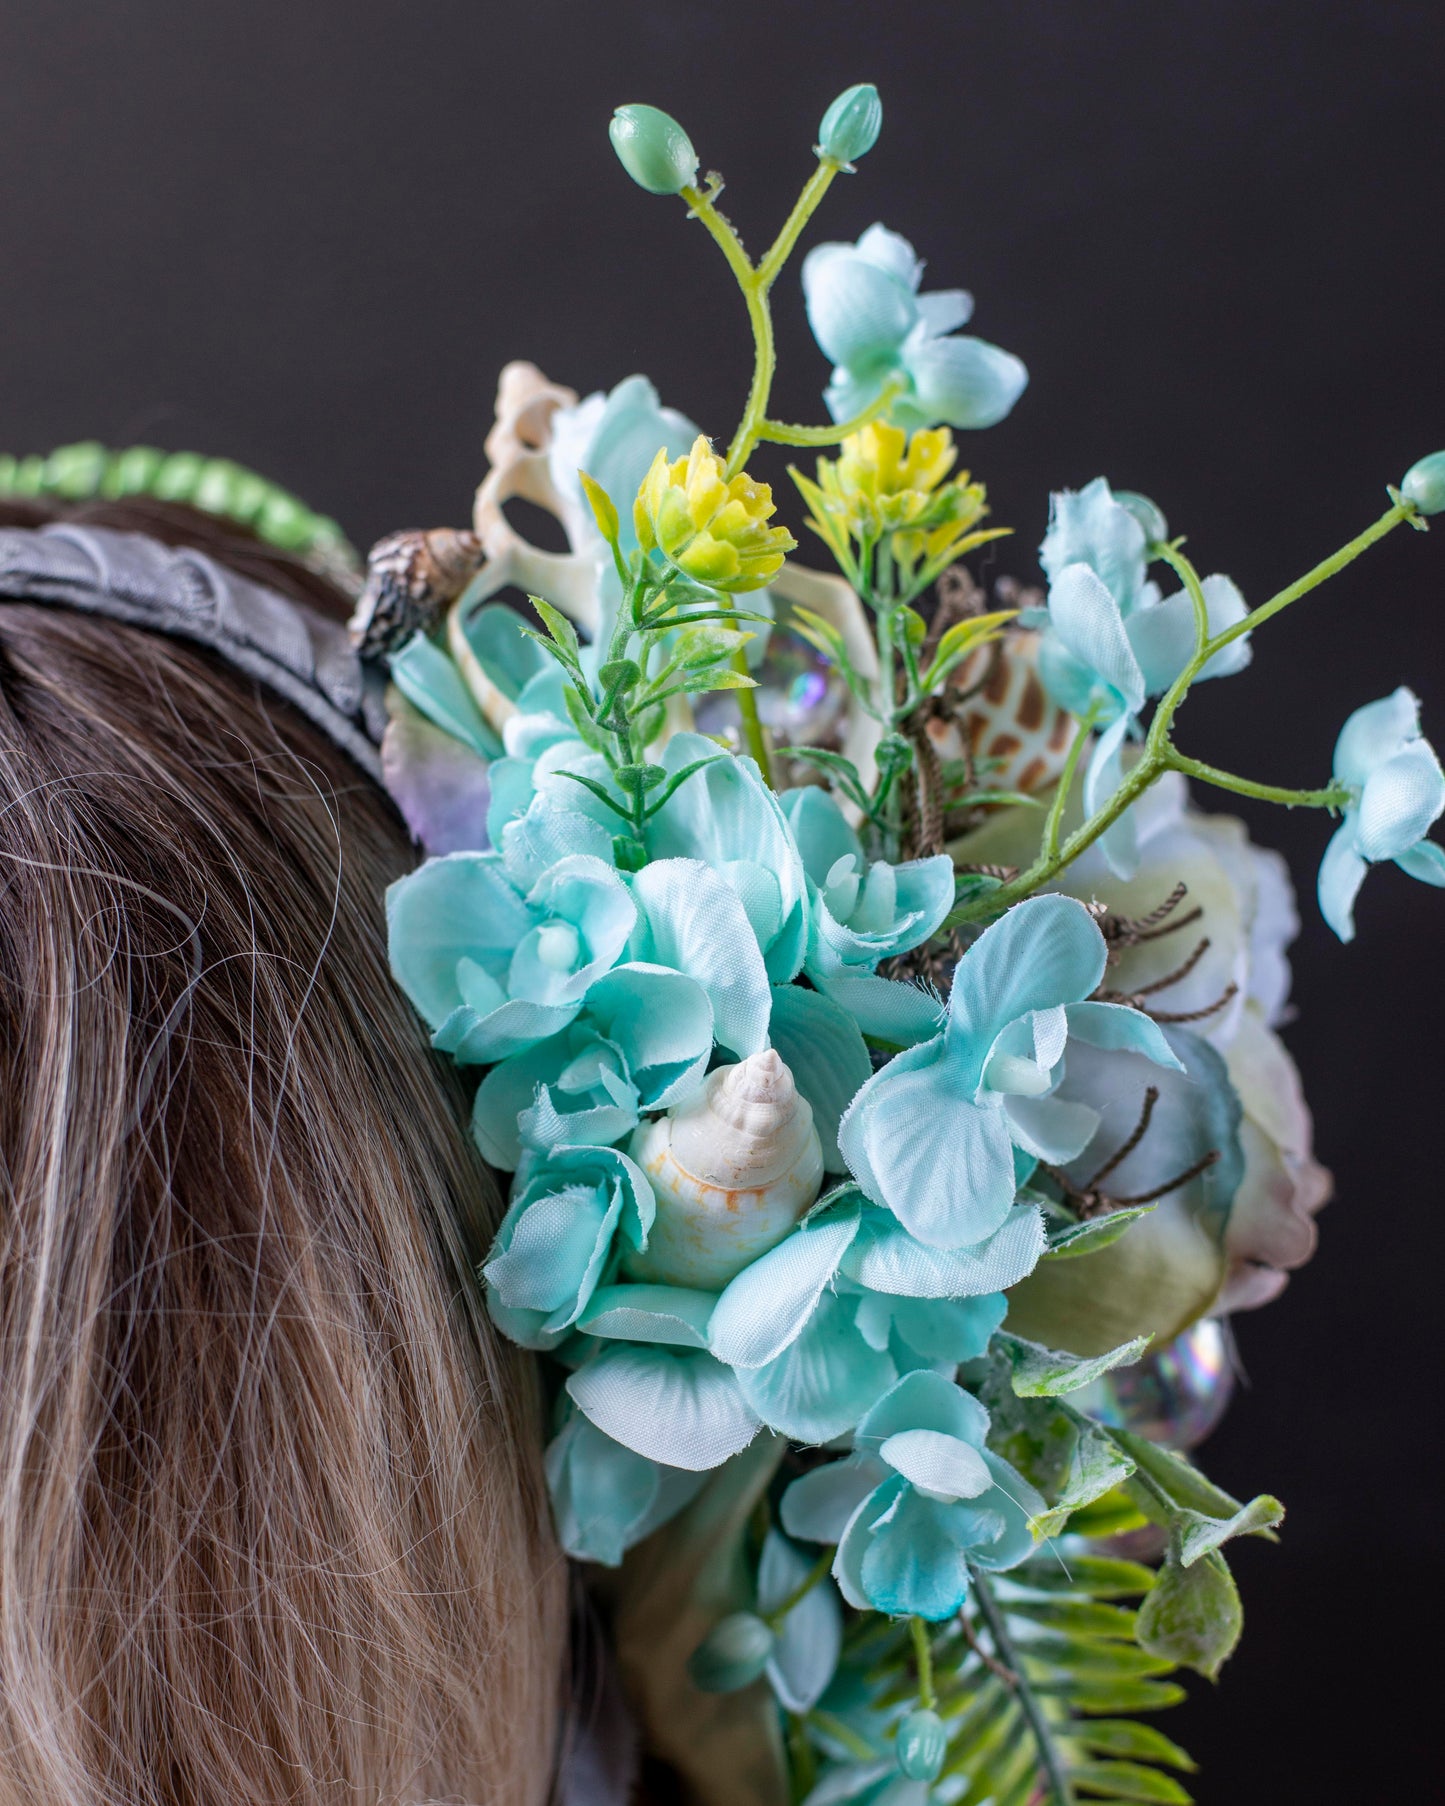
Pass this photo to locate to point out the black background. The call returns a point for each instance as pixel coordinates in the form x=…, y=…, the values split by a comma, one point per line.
x=307, y=236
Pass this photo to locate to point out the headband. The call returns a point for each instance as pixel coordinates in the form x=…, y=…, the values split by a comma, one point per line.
x=292, y=649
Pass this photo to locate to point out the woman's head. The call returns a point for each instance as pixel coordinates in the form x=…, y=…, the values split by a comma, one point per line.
x=271, y=1525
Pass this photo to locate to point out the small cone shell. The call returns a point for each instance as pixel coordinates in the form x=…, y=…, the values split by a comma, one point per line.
x=733, y=1169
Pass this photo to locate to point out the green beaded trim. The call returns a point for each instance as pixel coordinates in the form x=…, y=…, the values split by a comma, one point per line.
x=76, y=473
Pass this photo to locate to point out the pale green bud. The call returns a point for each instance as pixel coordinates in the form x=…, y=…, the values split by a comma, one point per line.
x=920, y=1745
x=851, y=125
x=732, y=1655
x=1148, y=514
x=653, y=148
x=1424, y=484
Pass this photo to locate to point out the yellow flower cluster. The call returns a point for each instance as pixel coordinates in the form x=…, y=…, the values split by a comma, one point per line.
x=709, y=527
x=883, y=483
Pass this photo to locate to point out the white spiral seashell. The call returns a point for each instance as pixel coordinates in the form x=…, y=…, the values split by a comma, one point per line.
x=733, y=1169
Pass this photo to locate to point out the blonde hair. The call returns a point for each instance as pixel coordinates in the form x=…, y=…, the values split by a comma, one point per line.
x=272, y=1523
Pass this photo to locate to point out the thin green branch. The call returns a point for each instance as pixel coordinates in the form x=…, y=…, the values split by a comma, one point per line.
x=1333, y=796
x=780, y=432
x=923, y=1658
x=800, y=1592
x=1050, y=1762
x=1053, y=825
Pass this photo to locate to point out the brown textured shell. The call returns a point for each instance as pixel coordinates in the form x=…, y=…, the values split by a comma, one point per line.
x=411, y=580
x=1002, y=713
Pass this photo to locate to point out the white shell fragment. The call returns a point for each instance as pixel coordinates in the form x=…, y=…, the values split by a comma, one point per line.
x=733, y=1169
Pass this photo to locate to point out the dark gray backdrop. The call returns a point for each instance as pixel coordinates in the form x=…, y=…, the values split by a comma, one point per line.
x=307, y=236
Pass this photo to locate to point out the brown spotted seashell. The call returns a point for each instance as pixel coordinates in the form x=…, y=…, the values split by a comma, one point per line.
x=1009, y=718
x=411, y=580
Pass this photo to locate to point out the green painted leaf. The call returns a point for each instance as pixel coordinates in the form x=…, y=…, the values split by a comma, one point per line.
x=1033, y=1435
x=1099, y=1576
x=564, y=634
x=1097, y=1661
x=1095, y=1468
x=1125, y=1737
x=1075, y=1617
x=1179, y=1480
x=1040, y=1372
x=1113, y=1515
x=1128, y=1781
x=1193, y=1615
x=1114, y=1696
x=1199, y=1534
x=1094, y=1233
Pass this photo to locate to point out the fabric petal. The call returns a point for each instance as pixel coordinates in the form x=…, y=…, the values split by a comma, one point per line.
x=810, y=1637
x=937, y=1463
x=885, y=1258
x=924, y=1401
x=945, y=310
x=914, y=1563
x=822, y=1383
x=1050, y=1128
x=817, y=1506
x=770, y=1302
x=886, y=1008
x=693, y=922
x=1374, y=734
x=917, y=1144
x=1425, y=861
x=662, y=1022
x=1087, y=526
x=1116, y=1026
x=1086, y=617
x=684, y=1408
x=822, y=1047
x=939, y=1329
x=673, y=1315
x=963, y=382
x=860, y=314
x=459, y=906
x=1400, y=801
x=441, y=786
x=1342, y=872
x=1045, y=951
x=600, y=1492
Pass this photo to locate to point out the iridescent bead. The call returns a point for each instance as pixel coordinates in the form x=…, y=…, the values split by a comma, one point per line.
x=1174, y=1395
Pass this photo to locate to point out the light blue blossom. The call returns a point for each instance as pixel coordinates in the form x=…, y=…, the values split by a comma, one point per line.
x=812, y=1349
x=492, y=971
x=605, y=1497
x=932, y=1136
x=1111, y=641
x=556, y=1242
x=1398, y=793
x=861, y=913
x=809, y=1638
x=919, y=1500
x=869, y=318
x=672, y=1404
x=642, y=1042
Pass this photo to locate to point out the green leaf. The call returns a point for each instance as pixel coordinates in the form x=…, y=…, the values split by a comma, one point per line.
x=1179, y=1480
x=597, y=791
x=618, y=674
x=1098, y=1661
x=1127, y=1781
x=963, y=638
x=1040, y=1372
x=1113, y=1696
x=1113, y=1515
x=1094, y=1233
x=1123, y=1737
x=1198, y=1534
x=1098, y=1576
x=1193, y=1615
x=579, y=706
x=564, y=634
x=1095, y=1468
x=915, y=628
x=843, y=771
x=1075, y=1617
x=604, y=509
x=711, y=643
x=634, y=778
x=679, y=778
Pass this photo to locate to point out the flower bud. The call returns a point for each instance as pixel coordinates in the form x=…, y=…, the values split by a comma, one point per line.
x=1424, y=484
x=653, y=148
x=920, y=1745
x=851, y=125
x=1148, y=514
x=732, y=1655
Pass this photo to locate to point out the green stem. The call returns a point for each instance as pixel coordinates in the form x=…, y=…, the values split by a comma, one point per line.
x=1333, y=796
x=1060, y=1793
x=800, y=1592
x=1182, y=567
x=804, y=208
x=856, y=1746
x=923, y=1656
x=780, y=432
x=1053, y=825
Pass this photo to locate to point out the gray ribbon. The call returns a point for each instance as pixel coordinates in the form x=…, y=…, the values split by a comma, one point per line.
x=292, y=649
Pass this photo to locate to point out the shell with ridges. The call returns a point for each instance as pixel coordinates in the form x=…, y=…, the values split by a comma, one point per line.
x=733, y=1169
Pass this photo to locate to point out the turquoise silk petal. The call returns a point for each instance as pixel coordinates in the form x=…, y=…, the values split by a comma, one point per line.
x=884, y=1257
x=1400, y=801
x=693, y=922
x=822, y=1047
x=823, y=1382
x=1374, y=734
x=1425, y=861
x=960, y=382
x=684, y=1408
x=810, y=1637
x=1342, y=872
x=453, y=908
x=768, y=1305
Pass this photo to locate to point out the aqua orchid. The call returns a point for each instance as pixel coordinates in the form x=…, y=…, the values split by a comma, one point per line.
x=862, y=912
x=641, y=1043
x=869, y=318
x=606, y=1497
x=556, y=1242
x=919, y=1500
x=1111, y=641
x=1398, y=793
x=492, y=970
x=932, y=1136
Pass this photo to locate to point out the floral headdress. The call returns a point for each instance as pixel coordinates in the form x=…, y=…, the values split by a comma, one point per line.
x=881, y=1042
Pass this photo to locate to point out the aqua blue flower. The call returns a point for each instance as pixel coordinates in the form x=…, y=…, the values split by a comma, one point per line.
x=605, y=1497
x=812, y=1349
x=932, y=1135
x=920, y=1499
x=492, y=971
x=868, y=317
x=1398, y=793
x=1111, y=641
x=557, y=1241
x=642, y=1042
x=862, y=912
x=673, y=1404
x=809, y=1639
